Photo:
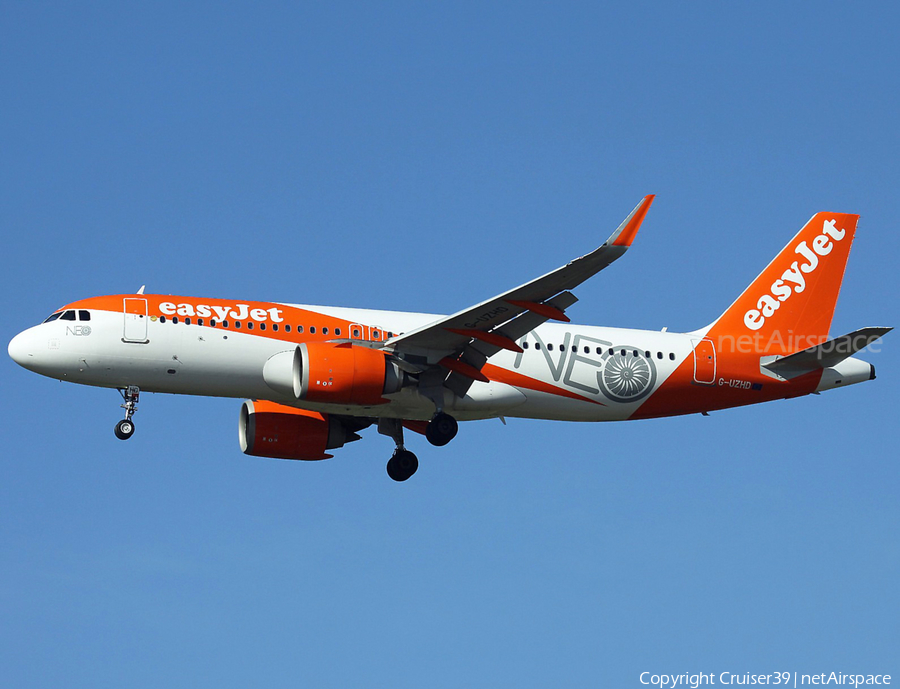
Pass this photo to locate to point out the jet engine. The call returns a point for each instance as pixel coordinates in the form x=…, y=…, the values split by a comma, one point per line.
x=334, y=374
x=267, y=429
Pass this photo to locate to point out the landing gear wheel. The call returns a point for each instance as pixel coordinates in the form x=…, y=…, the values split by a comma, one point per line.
x=441, y=429
x=402, y=465
x=124, y=429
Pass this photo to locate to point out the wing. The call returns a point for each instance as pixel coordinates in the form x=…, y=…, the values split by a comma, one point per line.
x=462, y=343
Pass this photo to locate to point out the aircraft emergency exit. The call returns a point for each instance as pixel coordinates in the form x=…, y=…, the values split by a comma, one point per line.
x=314, y=376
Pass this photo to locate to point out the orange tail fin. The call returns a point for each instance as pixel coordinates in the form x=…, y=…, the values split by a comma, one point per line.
x=790, y=305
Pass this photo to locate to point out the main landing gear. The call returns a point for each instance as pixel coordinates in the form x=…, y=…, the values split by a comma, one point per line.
x=402, y=463
x=441, y=429
x=125, y=427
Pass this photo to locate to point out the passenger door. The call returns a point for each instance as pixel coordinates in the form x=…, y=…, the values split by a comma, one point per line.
x=704, y=362
x=135, y=320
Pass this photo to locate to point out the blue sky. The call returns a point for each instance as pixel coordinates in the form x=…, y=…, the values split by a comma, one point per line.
x=424, y=157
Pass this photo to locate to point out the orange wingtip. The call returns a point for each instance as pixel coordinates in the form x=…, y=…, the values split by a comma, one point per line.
x=633, y=222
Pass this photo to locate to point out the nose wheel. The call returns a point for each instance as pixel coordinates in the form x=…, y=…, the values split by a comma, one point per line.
x=125, y=427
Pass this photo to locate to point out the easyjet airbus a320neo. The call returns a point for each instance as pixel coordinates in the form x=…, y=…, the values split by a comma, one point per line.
x=315, y=376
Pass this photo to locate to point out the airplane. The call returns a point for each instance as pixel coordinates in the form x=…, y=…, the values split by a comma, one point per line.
x=313, y=377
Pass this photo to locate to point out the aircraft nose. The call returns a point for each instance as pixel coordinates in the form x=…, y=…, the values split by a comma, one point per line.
x=21, y=349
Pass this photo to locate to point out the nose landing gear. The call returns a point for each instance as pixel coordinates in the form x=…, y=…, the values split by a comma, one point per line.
x=125, y=427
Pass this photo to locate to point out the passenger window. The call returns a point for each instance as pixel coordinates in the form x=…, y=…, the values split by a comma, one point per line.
x=672, y=356
x=355, y=332
x=275, y=327
x=84, y=315
x=68, y=316
x=300, y=329
x=162, y=319
x=52, y=317
x=199, y=321
x=337, y=332
x=324, y=331
x=587, y=350
x=375, y=335
x=648, y=355
x=312, y=330
x=187, y=321
x=237, y=325
x=635, y=352
x=550, y=347
x=250, y=325
x=524, y=345
x=659, y=355
x=175, y=319
x=287, y=328
x=537, y=345
x=623, y=352
x=599, y=350
x=262, y=326
x=224, y=324
x=575, y=349
x=611, y=352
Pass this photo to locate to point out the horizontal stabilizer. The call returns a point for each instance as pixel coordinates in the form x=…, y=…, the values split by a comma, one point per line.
x=825, y=355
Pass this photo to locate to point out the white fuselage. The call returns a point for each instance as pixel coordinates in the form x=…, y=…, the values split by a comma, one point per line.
x=200, y=360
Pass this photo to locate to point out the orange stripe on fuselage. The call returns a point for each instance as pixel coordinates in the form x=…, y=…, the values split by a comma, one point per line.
x=243, y=312
x=679, y=394
x=502, y=375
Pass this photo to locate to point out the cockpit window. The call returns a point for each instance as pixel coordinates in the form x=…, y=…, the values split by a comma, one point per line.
x=53, y=316
x=68, y=316
x=84, y=315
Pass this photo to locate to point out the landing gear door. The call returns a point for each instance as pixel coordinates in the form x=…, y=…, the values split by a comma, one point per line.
x=135, y=321
x=704, y=362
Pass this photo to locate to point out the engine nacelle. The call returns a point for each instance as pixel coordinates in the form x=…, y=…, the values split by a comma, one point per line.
x=267, y=429
x=346, y=374
x=334, y=374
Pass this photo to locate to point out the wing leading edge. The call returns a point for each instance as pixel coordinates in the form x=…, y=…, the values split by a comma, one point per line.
x=461, y=343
